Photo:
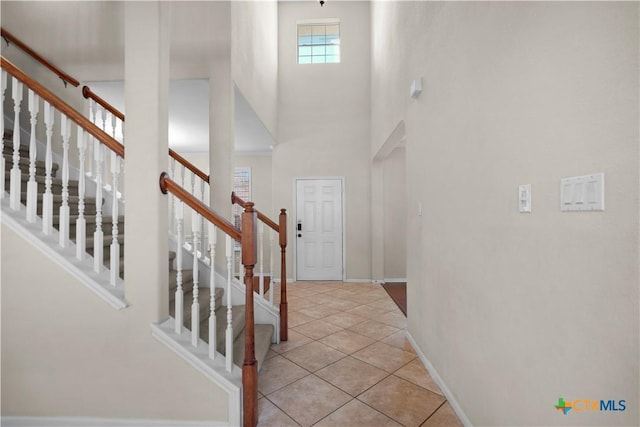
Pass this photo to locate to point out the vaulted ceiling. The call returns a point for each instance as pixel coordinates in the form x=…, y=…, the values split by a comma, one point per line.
x=86, y=39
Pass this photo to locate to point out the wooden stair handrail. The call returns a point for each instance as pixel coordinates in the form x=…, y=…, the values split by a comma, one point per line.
x=281, y=229
x=63, y=107
x=66, y=78
x=262, y=217
x=187, y=164
x=248, y=239
x=169, y=185
x=89, y=94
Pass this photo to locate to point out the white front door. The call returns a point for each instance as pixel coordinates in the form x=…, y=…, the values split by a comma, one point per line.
x=318, y=229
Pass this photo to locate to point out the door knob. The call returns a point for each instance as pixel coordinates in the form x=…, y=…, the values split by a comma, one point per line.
x=299, y=235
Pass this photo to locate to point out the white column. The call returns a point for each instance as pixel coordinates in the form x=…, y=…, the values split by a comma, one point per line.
x=16, y=179
x=32, y=185
x=65, y=128
x=47, y=199
x=81, y=224
x=221, y=136
x=2, y=163
x=147, y=38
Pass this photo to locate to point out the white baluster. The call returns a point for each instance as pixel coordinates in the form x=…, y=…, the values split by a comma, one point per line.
x=261, y=248
x=103, y=118
x=172, y=207
x=229, y=334
x=193, y=183
x=65, y=125
x=212, y=288
x=81, y=223
x=98, y=237
x=272, y=288
x=47, y=198
x=90, y=147
x=115, y=245
x=32, y=185
x=121, y=131
x=178, y=299
x=113, y=125
x=195, y=307
x=203, y=249
x=2, y=162
x=16, y=179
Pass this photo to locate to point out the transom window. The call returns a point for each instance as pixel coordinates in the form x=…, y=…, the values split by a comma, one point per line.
x=319, y=42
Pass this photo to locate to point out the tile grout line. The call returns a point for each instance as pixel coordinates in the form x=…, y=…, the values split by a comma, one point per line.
x=388, y=374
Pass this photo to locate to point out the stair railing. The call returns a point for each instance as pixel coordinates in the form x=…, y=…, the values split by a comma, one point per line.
x=281, y=230
x=248, y=241
x=66, y=78
x=85, y=131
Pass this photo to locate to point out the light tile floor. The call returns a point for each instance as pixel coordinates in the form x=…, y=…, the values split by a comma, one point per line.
x=347, y=363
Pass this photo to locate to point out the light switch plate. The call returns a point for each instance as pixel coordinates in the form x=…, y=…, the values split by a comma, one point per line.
x=582, y=193
x=524, y=198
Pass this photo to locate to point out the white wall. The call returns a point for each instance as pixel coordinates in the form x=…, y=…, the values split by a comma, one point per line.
x=254, y=56
x=65, y=353
x=515, y=310
x=323, y=122
x=395, y=214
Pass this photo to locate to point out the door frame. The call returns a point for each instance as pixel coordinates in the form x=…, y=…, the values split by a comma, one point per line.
x=295, y=221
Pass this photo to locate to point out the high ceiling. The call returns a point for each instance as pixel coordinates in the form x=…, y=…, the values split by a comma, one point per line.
x=86, y=39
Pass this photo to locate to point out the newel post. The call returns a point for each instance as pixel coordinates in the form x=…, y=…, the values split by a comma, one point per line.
x=284, y=322
x=250, y=365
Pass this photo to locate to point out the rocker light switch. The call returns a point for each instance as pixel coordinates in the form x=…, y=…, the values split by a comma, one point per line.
x=524, y=198
x=582, y=193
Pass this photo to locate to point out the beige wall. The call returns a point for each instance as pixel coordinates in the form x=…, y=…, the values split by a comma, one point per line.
x=395, y=214
x=261, y=195
x=515, y=310
x=66, y=353
x=254, y=56
x=323, y=122
x=260, y=182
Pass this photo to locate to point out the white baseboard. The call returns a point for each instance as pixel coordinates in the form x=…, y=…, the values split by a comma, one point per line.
x=357, y=281
x=101, y=422
x=438, y=379
x=396, y=280
x=198, y=358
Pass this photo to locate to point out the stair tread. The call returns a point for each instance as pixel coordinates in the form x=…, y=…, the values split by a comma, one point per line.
x=263, y=334
x=25, y=162
x=41, y=179
x=91, y=220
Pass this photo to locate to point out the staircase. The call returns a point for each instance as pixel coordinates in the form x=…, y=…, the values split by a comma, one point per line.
x=61, y=207
x=263, y=332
